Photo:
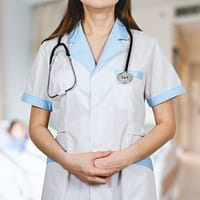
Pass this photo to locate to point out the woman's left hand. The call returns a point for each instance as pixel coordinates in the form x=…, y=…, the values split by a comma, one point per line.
x=117, y=159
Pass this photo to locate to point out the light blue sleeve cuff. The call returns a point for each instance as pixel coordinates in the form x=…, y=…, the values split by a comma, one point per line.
x=169, y=94
x=36, y=101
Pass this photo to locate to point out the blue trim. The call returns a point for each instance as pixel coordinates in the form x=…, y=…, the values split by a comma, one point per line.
x=123, y=30
x=80, y=49
x=147, y=162
x=169, y=94
x=36, y=101
x=136, y=74
x=49, y=160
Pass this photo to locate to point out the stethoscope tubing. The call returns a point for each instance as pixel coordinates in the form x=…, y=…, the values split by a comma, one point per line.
x=50, y=67
x=129, y=51
x=124, y=77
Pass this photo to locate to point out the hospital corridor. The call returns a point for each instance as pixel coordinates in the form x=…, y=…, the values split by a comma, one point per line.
x=23, y=26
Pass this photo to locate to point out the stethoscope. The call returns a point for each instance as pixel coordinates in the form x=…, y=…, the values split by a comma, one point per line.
x=123, y=77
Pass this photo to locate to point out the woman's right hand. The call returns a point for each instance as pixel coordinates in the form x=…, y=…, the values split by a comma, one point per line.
x=83, y=167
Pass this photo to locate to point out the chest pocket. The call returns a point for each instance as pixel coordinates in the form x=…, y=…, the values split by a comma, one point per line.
x=128, y=95
x=61, y=75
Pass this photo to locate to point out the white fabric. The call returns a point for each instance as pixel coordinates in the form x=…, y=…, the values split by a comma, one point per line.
x=101, y=114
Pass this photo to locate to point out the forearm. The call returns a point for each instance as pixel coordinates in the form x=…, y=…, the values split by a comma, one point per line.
x=159, y=135
x=139, y=150
x=156, y=138
x=45, y=141
x=42, y=137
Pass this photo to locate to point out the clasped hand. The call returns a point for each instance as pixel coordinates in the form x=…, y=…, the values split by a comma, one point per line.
x=96, y=167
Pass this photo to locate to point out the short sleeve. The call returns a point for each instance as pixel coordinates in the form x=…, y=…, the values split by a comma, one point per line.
x=36, y=89
x=162, y=81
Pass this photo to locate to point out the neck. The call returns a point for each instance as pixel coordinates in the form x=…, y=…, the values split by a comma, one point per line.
x=97, y=21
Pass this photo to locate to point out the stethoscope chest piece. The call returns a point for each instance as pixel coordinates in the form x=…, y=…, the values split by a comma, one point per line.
x=125, y=77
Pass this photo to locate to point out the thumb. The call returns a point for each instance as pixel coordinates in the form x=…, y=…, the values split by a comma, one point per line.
x=102, y=154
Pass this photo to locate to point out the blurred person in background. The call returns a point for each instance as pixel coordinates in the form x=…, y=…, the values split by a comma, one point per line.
x=18, y=136
x=13, y=178
x=22, y=164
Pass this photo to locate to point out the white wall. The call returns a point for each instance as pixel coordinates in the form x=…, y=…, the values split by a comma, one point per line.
x=17, y=34
x=42, y=15
x=157, y=17
x=157, y=20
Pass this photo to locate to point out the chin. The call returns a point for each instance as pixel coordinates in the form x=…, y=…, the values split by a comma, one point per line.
x=99, y=4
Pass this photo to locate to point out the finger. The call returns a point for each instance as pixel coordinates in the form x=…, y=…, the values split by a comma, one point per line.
x=101, y=154
x=99, y=180
x=104, y=172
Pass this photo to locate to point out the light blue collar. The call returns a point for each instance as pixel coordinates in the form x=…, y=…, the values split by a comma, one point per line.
x=80, y=50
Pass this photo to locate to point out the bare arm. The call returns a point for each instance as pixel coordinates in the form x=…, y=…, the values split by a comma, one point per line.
x=81, y=165
x=159, y=135
x=42, y=137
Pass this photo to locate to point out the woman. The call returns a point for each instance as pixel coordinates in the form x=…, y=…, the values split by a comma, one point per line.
x=101, y=150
